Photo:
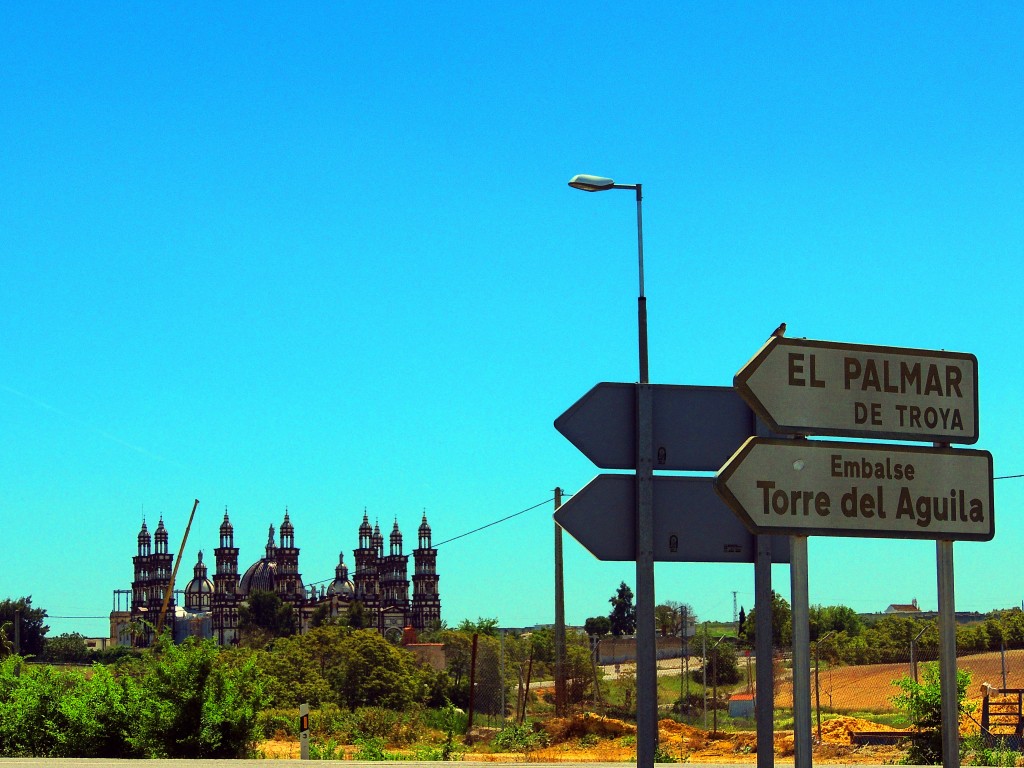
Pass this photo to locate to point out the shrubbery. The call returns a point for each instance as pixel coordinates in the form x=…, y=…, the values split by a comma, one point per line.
x=176, y=702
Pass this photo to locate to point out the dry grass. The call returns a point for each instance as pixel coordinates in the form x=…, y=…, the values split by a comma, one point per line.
x=870, y=688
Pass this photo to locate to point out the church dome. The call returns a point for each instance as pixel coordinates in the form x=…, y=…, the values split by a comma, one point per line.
x=199, y=591
x=260, y=576
x=341, y=586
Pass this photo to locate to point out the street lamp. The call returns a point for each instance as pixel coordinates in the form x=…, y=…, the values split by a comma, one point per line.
x=646, y=659
x=589, y=183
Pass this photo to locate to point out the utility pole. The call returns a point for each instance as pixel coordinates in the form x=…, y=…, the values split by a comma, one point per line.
x=735, y=615
x=560, y=708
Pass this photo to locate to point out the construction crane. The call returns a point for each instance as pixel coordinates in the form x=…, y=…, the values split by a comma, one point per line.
x=174, y=572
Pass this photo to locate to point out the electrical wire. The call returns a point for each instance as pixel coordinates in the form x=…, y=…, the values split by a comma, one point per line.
x=502, y=520
x=475, y=530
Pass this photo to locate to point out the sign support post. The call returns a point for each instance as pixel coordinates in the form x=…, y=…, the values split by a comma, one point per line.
x=801, y=653
x=765, y=688
x=646, y=661
x=947, y=656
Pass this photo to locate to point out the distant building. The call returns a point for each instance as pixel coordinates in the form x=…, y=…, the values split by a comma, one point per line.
x=380, y=584
x=904, y=609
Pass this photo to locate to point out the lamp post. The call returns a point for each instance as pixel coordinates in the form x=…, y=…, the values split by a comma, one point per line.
x=646, y=661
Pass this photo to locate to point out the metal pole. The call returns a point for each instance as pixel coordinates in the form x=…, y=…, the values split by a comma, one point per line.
x=472, y=686
x=817, y=690
x=817, y=687
x=949, y=705
x=559, y=617
x=682, y=654
x=501, y=657
x=714, y=684
x=801, y=653
x=764, y=691
x=947, y=656
x=686, y=650
x=1002, y=660
x=646, y=662
x=704, y=671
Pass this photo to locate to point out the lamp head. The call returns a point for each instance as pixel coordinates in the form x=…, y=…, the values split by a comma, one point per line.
x=590, y=183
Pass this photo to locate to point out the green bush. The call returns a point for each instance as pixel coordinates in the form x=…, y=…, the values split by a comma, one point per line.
x=921, y=703
x=271, y=722
x=977, y=751
x=519, y=738
x=175, y=701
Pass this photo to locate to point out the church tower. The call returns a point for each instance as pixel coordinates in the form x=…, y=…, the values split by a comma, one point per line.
x=426, y=601
x=140, y=584
x=160, y=573
x=367, y=569
x=289, y=581
x=224, y=603
x=394, y=567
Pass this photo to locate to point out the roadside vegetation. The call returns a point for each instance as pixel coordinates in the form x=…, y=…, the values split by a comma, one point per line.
x=371, y=700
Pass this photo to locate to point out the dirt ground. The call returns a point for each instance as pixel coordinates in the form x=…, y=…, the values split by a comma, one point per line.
x=614, y=744
x=870, y=687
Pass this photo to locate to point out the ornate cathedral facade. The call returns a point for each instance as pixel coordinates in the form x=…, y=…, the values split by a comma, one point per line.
x=380, y=584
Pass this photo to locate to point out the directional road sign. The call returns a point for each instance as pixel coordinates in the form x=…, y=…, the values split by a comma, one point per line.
x=853, y=390
x=695, y=428
x=691, y=524
x=822, y=488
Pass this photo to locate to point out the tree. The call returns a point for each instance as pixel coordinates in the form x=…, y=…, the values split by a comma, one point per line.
x=33, y=630
x=372, y=672
x=742, y=621
x=720, y=662
x=823, y=619
x=66, y=648
x=670, y=615
x=321, y=616
x=6, y=644
x=265, y=615
x=482, y=626
x=597, y=626
x=782, y=623
x=195, y=705
x=357, y=616
x=623, y=614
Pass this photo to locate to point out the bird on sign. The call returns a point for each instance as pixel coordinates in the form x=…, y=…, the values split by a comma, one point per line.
x=780, y=331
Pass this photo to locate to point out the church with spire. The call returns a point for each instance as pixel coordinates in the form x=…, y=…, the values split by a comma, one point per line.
x=210, y=607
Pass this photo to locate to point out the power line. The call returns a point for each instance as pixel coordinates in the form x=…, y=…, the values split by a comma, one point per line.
x=502, y=520
x=1007, y=477
x=475, y=530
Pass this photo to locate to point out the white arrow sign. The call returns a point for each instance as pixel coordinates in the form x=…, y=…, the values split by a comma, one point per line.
x=818, y=488
x=854, y=390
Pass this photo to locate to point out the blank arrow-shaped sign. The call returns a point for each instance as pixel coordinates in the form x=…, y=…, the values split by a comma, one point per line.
x=823, y=488
x=695, y=428
x=691, y=524
x=854, y=390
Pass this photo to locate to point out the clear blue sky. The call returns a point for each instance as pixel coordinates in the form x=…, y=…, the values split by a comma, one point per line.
x=325, y=257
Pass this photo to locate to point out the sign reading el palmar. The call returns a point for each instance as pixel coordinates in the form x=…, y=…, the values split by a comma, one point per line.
x=854, y=390
x=803, y=487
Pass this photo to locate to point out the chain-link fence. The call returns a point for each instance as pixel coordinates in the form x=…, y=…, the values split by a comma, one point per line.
x=703, y=681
